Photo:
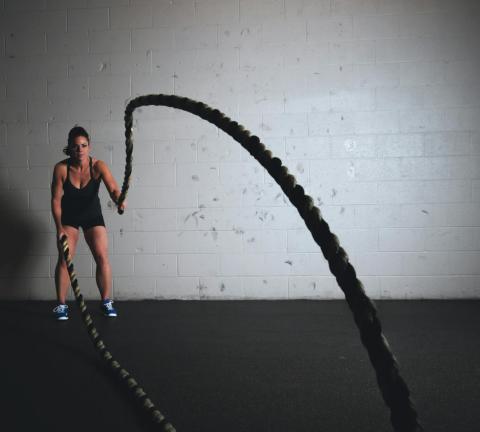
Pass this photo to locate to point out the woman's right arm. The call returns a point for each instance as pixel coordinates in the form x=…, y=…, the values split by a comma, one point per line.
x=57, y=193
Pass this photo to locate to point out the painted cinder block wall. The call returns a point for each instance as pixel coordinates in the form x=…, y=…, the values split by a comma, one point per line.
x=373, y=105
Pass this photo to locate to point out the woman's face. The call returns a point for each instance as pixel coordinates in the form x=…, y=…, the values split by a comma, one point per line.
x=80, y=148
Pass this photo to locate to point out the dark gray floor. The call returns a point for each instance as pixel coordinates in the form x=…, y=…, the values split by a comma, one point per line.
x=238, y=366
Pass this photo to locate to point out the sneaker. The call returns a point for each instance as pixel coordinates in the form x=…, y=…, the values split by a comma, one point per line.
x=61, y=312
x=107, y=308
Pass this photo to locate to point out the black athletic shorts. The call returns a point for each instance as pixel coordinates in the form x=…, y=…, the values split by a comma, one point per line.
x=85, y=224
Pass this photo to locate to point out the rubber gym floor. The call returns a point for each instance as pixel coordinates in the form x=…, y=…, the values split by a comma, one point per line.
x=255, y=366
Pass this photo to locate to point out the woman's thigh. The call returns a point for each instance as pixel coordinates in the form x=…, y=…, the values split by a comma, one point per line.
x=97, y=240
x=72, y=240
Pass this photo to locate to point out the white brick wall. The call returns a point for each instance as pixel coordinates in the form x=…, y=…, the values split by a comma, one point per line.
x=373, y=105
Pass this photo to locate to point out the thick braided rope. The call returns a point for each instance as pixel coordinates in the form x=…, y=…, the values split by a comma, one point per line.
x=393, y=388
x=124, y=376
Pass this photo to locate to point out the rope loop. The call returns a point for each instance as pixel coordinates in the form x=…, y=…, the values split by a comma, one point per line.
x=403, y=414
x=392, y=386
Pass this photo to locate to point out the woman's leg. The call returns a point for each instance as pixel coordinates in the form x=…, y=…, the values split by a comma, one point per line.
x=62, y=280
x=97, y=240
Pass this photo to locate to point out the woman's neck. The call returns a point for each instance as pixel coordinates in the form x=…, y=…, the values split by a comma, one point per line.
x=80, y=165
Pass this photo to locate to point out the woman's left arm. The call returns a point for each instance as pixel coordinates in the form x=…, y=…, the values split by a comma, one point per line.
x=110, y=183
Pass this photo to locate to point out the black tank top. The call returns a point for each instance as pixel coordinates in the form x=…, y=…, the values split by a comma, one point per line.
x=81, y=204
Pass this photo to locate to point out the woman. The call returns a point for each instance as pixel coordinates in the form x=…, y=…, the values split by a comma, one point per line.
x=75, y=204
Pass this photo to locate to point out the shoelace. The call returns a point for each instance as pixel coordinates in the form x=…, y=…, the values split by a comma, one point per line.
x=109, y=305
x=61, y=308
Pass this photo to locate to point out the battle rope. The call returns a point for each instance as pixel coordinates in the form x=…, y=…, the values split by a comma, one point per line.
x=392, y=386
x=124, y=376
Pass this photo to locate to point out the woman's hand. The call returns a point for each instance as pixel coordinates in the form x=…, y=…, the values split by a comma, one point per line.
x=60, y=234
x=114, y=201
x=123, y=206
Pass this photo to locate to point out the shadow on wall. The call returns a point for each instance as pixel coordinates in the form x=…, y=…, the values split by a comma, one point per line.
x=18, y=236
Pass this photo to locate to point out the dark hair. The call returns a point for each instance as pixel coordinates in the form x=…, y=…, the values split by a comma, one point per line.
x=75, y=132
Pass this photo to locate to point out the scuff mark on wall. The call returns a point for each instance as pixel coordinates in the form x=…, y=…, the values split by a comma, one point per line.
x=194, y=215
x=214, y=233
x=260, y=215
x=351, y=170
x=237, y=230
x=202, y=290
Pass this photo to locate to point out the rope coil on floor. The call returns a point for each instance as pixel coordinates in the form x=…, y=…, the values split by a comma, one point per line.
x=123, y=375
x=392, y=386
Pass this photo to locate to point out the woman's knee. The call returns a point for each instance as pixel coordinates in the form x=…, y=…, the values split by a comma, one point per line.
x=61, y=258
x=101, y=259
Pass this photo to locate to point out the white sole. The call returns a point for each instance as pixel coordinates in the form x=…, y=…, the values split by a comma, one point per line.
x=62, y=319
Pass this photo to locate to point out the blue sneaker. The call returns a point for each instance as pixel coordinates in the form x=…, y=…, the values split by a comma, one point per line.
x=107, y=308
x=61, y=312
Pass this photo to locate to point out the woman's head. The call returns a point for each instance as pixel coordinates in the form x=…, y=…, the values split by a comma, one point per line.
x=78, y=144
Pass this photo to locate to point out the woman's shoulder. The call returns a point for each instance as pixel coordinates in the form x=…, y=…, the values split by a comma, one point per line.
x=98, y=163
x=99, y=166
x=61, y=166
x=60, y=170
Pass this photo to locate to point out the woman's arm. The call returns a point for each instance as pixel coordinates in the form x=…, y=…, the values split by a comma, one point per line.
x=57, y=193
x=110, y=183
